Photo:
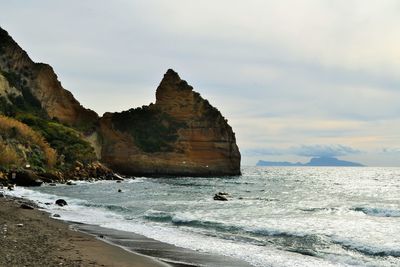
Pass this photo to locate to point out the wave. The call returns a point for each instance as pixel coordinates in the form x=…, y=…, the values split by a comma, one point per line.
x=367, y=249
x=187, y=220
x=378, y=212
x=292, y=241
x=320, y=209
x=182, y=220
x=107, y=206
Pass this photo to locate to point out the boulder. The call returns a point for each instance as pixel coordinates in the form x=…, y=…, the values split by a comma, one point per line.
x=56, y=215
x=50, y=177
x=220, y=197
x=27, y=178
x=61, y=202
x=26, y=206
x=117, y=177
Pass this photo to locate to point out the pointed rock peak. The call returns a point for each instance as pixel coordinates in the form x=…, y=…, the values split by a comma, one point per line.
x=171, y=73
x=172, y=81
x=170, y=77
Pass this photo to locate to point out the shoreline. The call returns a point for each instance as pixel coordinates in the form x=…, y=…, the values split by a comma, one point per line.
x=32, y=238
x=94, y=245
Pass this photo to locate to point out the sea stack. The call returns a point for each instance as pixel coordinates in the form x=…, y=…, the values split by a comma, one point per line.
x=181, y=134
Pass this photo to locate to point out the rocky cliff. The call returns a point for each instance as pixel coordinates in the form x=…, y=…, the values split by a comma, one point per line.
x=38, y=86
x=181, y=134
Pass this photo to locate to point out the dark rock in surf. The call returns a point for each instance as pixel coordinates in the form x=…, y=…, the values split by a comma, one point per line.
x=219, y=197
x=61, y=202
x=27, y=178
x=117, y=177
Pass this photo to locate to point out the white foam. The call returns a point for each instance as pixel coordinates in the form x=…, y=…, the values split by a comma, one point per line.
x=255, y=255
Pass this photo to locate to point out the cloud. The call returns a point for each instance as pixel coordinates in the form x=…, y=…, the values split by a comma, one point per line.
x=324, y=151
x=305, y=151
x=263, y=152
x=394, y=150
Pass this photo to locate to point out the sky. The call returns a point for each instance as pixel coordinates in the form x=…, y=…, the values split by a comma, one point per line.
x=295, y=79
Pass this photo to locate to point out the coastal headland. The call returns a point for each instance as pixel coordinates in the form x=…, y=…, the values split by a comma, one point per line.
x=47, y=135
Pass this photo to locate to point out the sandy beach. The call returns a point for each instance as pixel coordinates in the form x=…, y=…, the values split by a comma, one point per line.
x=30, y=238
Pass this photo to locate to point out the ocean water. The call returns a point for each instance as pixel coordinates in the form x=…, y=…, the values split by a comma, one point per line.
x=274, y=217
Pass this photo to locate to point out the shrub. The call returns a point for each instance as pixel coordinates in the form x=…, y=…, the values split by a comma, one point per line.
x=9, y=158
x=11, y=129
x=151, y=129
x=65, y=140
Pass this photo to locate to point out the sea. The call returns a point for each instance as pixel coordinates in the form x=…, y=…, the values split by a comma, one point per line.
x=274, y=216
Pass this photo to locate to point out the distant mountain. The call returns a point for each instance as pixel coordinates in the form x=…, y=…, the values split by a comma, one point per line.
x=326, y=161
x=321, y=161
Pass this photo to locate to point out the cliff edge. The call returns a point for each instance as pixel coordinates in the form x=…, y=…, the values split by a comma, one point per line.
x=39, y=87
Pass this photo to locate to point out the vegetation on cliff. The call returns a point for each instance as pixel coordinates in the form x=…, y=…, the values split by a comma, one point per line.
x=67, y=141
x=20, y=146
x=152, y=130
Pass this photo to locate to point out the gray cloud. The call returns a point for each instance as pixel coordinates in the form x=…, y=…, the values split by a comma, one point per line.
x=393, y=150
x=263, y=152
x=324, y=151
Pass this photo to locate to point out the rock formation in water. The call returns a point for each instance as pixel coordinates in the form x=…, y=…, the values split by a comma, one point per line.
x=181, y=134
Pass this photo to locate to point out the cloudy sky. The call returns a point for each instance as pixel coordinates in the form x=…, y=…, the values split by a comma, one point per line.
x=295, y=79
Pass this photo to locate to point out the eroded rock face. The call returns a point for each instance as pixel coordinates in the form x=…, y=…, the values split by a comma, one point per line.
x=181, y=134
x=38, y=84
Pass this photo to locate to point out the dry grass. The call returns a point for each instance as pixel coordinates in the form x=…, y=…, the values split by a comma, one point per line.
x=8, y=156
x=22, y=132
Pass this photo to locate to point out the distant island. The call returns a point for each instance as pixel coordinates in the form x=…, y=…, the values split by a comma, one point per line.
x=320, y=161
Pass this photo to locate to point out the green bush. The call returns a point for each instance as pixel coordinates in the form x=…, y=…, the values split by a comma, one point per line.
x=66, y=141
x=152, y=130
